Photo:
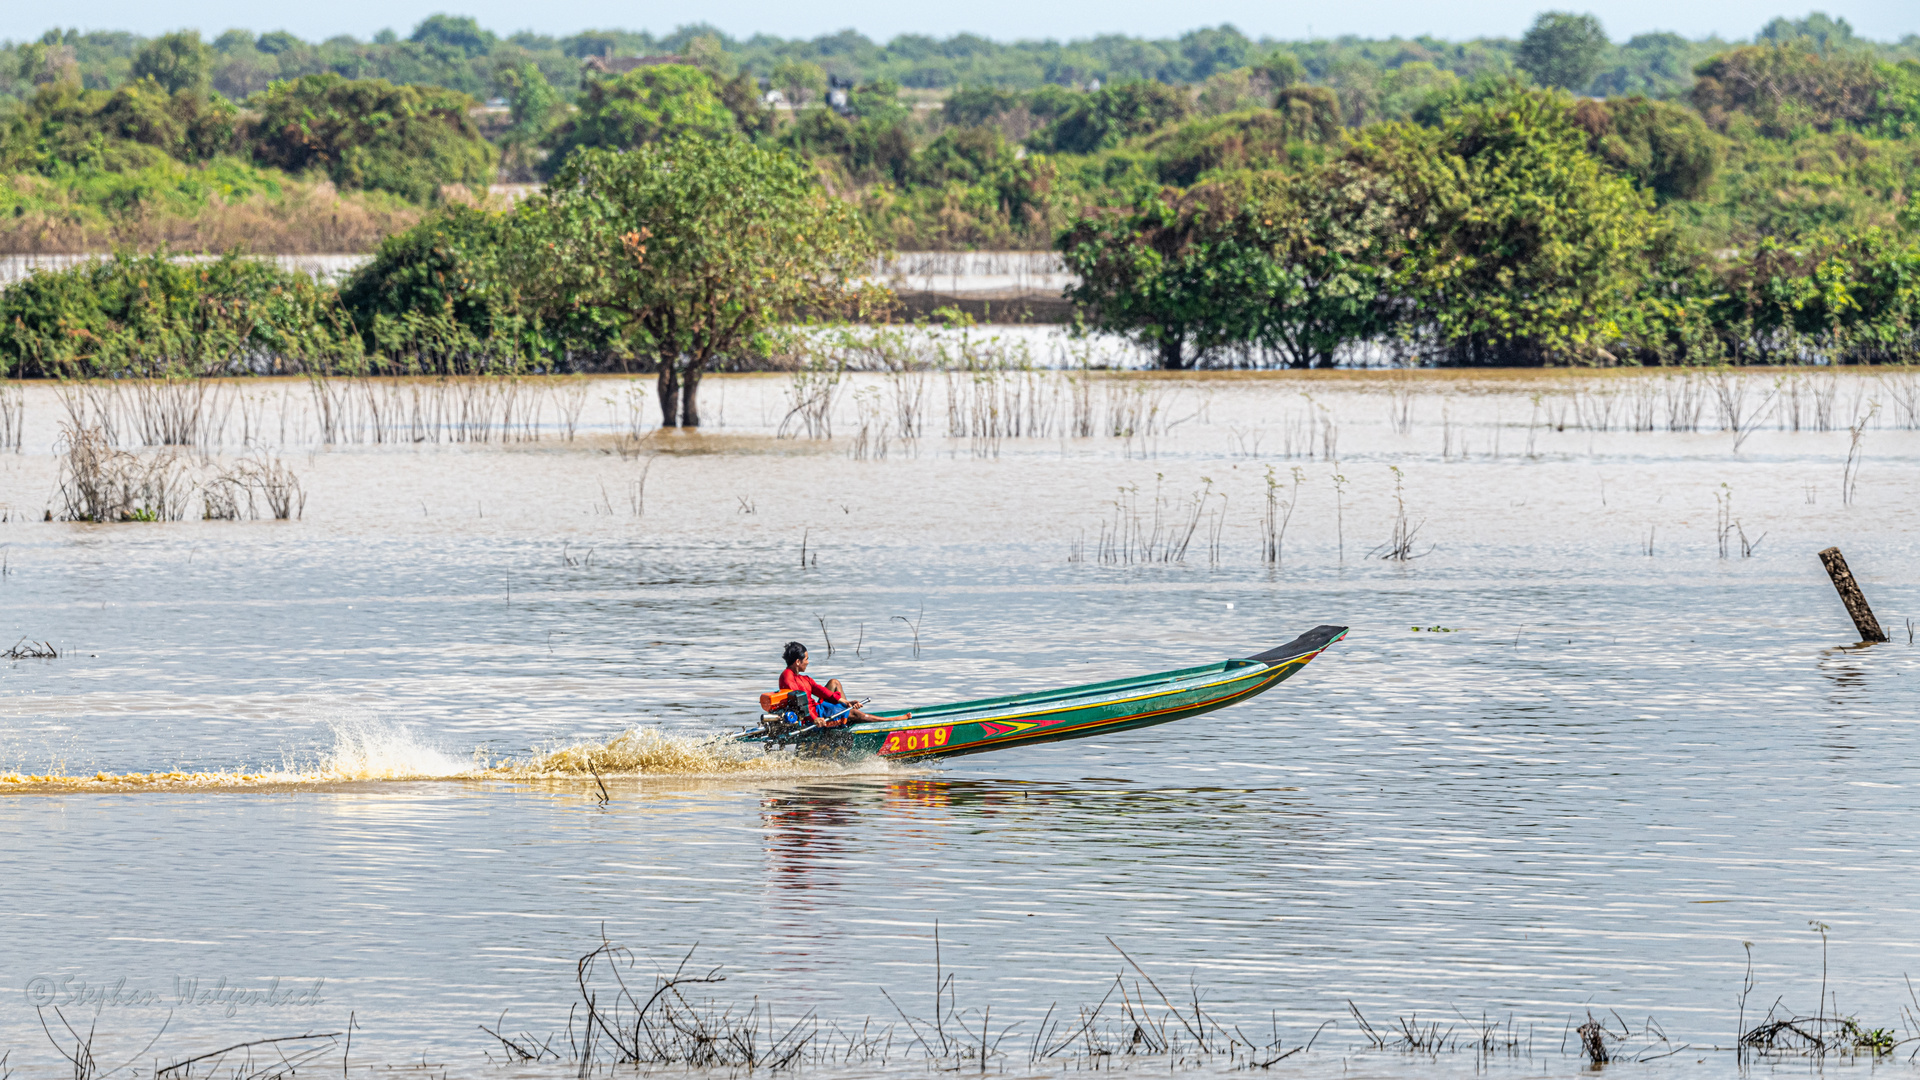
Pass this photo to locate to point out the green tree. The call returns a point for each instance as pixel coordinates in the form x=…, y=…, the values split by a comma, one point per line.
x=1784, y=87
x=1563, y=49
x=177, y=61
x=645, y=105
x=1332, y=244
x=690, y=250
x=536, y=108
x=369, y=133
x=1102, y=119
x=972, y=106
x=799, y=81
x=1295, y=264
x=154, y=316
x=1254, y=139
x=136, y=126
x=707, y=53
x=443, y=297
x=277, y=43
x=1665, y=148
x=531, y=101
x=1658, y=65
x=751, y=114
x=1818, y=30
x=1161, y=274
x=1282, y=68
x=875, y=143
x=1407, y=87
x=1529, y=248
x=966, y=155
x=458, y=33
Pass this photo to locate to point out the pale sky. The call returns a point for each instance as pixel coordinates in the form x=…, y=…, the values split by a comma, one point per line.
x=999, y=19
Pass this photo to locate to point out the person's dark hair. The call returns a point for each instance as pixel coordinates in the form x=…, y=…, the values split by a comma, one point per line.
x=794, y=651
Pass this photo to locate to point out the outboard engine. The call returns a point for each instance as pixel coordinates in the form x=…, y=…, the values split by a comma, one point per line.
x=781, y=725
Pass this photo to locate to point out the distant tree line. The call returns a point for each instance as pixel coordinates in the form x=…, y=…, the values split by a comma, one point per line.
x=1284, y=210
x=456, y=53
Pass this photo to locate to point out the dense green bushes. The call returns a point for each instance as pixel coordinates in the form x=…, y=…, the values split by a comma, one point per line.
x=676, y=256
x=153, y=316
x=136, y=126
x=1782, y=89
x=142, y=160
x=1494, y=237
x=369, y=133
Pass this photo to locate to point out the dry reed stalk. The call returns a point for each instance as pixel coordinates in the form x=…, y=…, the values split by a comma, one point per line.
x=1686, y=398
x=1730, y=393
x=908, y=390
x=1400, y=408
x=1399, y=547
x=263, y=480
x=873, y=436
x=1593, y=407
x=1850, y=475
x=26, y=649
x=99, y=483
x=1278, y=513
x=92, y=404
x=810, y=396
x=1643, y=399
x=1728, y=527
x=13, y=416
x=573, y=399
x=1903, y=389
x=1080, y=404
x=1137, y=415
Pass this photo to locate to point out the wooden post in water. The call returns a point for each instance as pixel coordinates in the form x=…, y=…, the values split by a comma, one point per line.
x=1851, y=595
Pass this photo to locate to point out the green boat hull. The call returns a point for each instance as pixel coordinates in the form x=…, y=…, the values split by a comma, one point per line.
x=974, y=727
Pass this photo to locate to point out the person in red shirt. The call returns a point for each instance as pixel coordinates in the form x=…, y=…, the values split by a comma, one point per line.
x=827, y=705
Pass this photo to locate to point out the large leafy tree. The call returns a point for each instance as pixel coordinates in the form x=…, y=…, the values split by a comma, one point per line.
x=1563, y=50
x=1533, y=246
x=1101, y=119
x=1165, y=274
x=1785, y=87
x=689, y=250
x=1664, y=148
x=1492, y=238
x=1334, y=240
x=177, y=61
x=646, y=105
x=1292, y=264
x=442, y=296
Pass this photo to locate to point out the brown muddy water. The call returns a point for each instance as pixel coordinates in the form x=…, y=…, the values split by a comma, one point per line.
x=1606, y=728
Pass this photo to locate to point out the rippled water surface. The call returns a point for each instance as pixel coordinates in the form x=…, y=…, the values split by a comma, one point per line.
x=1547, y=772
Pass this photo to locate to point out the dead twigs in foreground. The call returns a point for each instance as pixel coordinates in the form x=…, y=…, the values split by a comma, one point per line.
x=31, y=650
x=664, y=1027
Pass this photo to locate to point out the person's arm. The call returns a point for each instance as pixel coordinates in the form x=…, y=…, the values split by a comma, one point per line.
x=822, y=692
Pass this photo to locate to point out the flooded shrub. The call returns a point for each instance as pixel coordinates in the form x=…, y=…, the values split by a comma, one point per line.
x=99, y=483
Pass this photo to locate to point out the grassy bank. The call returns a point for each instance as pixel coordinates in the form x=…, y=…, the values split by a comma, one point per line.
x=212, y=206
